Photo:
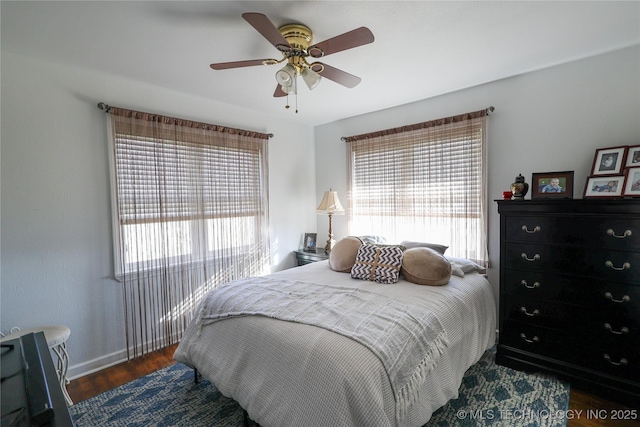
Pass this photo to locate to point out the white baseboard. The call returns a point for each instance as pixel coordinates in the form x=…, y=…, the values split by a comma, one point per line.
x=106, y=361
x=95, y=365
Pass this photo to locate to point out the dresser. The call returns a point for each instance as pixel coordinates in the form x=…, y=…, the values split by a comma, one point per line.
x=307, y=257
x=570, y=292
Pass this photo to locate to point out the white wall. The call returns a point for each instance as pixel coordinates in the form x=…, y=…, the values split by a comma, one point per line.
x=545, y=121
x=56, y=227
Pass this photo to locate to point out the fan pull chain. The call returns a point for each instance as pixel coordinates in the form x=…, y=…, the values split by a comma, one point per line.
x=296, y=102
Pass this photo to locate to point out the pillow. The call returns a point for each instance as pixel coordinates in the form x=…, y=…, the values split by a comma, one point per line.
x=372, y=239
x=425, y=266
x=379, y=264
x=465, y=265
x=343, y=255
x=410, y=245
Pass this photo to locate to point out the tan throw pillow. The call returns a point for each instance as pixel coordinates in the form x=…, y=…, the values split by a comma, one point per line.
x=378, y=263
x=343, y=255
x=425, y=266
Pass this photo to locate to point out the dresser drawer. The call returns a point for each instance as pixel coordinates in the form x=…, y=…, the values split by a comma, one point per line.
x=533, y=338
x=593, y=232
x=542, y=312
x=613, y=336
x=595, y=295
x=539, y=284
x=618, y=361
x=599, y=263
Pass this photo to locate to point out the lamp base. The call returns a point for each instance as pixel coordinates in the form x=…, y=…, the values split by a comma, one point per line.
x=330, y=244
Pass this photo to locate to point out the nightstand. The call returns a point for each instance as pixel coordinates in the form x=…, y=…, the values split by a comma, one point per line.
x=307, y=257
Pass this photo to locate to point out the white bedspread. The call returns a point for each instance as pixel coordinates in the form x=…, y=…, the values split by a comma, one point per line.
x=291, y=374
x=407, y=338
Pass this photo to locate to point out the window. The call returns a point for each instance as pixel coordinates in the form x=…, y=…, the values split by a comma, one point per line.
x=190, y=211
x=423, y=182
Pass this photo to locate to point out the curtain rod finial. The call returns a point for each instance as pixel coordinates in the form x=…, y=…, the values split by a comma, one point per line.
x=103, y=106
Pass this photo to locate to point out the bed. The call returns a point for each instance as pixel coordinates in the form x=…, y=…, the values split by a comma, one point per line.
x=286, y=373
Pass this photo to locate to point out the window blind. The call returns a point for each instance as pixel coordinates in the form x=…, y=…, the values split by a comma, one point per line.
x=422, y=183
x=193, y=185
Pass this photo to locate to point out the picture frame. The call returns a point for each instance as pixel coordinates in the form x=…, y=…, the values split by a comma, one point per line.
x=609, y=161
x=604, y=186
x=310, y=242
x=632, y=182
x=548, y=185
x=633, y=156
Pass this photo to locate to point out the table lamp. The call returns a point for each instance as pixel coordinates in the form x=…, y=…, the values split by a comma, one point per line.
x=330, y=205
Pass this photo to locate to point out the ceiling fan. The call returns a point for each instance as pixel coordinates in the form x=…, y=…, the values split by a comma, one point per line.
x=294, y=42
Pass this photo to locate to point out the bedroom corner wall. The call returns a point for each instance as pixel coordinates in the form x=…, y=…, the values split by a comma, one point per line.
x=56, y=228
x=545, y=121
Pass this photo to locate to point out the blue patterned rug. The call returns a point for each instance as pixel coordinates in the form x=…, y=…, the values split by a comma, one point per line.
x=490, y=395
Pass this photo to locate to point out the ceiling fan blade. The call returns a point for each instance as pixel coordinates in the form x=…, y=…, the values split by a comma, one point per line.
x=239, y=64
x=338, y=76
x=279, y=92
x=358, y=37
x=269, y=31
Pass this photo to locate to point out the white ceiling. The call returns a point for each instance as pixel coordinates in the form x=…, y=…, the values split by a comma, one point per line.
x=421, y=49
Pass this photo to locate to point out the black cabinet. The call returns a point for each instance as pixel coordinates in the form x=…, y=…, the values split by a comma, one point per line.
x=307, y=257
x=570, y=292
x=30, y=390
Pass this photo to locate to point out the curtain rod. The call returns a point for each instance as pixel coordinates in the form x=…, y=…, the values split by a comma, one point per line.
x=106, y=108
x=486, y=111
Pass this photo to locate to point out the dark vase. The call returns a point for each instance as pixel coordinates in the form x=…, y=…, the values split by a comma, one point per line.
x=519, y=188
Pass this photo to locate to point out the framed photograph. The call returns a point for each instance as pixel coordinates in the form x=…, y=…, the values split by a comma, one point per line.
x=609, y=161
x=310, y=240
x=633, y=156
x=632, y=182
x=552, y=185
x=604, y=186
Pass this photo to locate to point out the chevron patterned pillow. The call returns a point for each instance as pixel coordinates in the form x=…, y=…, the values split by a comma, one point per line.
x=378, y=263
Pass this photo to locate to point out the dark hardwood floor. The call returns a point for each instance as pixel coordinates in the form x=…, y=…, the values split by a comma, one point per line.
x=587, y=410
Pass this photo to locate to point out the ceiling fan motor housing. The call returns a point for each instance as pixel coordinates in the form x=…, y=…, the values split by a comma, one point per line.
x=297, y=35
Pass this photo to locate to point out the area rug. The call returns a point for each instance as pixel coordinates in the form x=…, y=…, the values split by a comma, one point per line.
x=490, y=395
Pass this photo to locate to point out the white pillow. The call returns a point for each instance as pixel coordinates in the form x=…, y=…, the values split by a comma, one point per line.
x=465, y=265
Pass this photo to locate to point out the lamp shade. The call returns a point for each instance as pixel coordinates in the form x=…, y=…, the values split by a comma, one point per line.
x=292, y=89
x=286, y=75
x=330, y=204
x=310, y=77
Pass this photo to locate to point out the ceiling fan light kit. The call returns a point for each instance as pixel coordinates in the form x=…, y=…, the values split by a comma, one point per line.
x=294, y=42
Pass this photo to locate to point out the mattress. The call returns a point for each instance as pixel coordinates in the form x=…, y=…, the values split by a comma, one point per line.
x=290, y=374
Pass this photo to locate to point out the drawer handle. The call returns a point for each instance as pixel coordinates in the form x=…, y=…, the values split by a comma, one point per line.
x=532, y=340
x=535, y=229
x=622, y=331
x=528, y=286
x=622, y=362
x=535, y=312
x=611, y=266
x=625, y=298
x=535, y=257
x=627, y=233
